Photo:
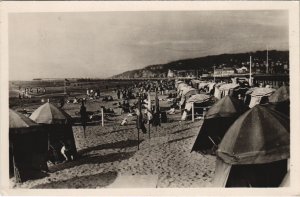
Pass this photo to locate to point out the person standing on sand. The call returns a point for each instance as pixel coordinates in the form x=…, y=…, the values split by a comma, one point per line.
x=83, y=115
x=118, y=93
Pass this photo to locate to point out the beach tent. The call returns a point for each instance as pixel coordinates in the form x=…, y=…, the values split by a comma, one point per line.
x=195, y=83
x=217, y=120
x=211, y=86
x=59, y=127
x=260, y=96
x=28, y=146
x=198, y=98
x=177, y=83
x=189, y=92
x=254, y=150
x=199, y=101
x=280, y=100
x=203, y=85
x=280, y=95
x=186, y=92
x=182, y=86
x=227, y=89
x=217, y=92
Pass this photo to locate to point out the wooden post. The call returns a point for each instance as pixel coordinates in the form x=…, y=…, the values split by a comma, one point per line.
x=138, y=130
x=193, y=112
x=138, y=121
x=102, y=117
x=149, y=128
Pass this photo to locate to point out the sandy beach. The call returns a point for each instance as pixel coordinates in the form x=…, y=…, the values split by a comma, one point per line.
x=110, y=152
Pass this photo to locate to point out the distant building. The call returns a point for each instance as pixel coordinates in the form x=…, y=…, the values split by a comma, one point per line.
x=171, y=73
x=221, y=72
x=185, y=73
x=243, y=69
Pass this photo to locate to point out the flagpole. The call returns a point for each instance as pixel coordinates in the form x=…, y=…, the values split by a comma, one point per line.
x=267, y=70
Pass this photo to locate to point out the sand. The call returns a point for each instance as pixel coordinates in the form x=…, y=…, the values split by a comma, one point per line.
x=110, y=152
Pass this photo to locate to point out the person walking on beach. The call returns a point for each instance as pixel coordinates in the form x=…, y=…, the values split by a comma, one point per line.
x=83, y=115
x=118, y=93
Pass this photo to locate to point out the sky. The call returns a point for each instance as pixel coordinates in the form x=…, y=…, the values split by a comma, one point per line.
x=102, y=44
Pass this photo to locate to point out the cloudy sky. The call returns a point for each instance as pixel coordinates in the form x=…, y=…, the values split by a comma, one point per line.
x=101, y=44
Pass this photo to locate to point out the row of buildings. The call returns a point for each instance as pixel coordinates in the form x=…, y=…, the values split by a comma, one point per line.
x=223, y=71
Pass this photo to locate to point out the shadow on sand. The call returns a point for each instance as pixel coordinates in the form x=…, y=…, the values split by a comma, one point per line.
x=181, y=130
x=90, y=181
x=184, y=138
x=92, y=160
x=114, y=145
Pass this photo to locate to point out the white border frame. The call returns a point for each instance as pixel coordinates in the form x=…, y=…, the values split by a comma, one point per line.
x=88, y=6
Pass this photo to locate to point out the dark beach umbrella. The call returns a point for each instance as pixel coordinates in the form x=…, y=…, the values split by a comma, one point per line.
x=217, y=120
x=20, y=121
x=280, y=95
x=260, y=135
x=280, y=100
x=50, y=114
x=226, y=107
x=58, y=125
x=27, y=142
x=254, y=150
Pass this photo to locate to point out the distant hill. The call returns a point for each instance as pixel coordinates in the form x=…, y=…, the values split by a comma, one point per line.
x=205, y=64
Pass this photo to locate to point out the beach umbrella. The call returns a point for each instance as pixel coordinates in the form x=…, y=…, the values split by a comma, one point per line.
x=280, y=95
x=189, y=92
x=202, y=84
x=260, y=135
x=262, y=91
x=228, y=86
x=198, y=98
x=177, y=83
x=254, y=150
x=280, y=100
x=227, y=89
x=182, y=86
x=28, y=146
x=50, y=114
x=19, y=121
x=195, y=83
x=217, y=120
x=57, y=123
x=251, y=90
x=226, y=107
x=260, y=96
